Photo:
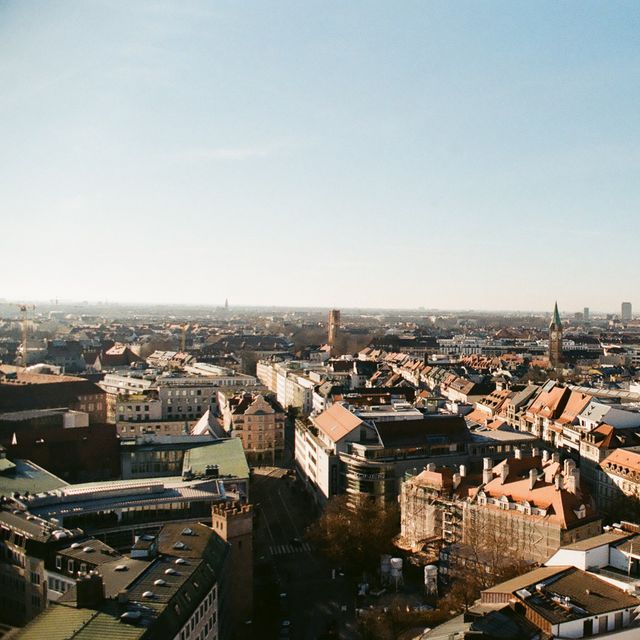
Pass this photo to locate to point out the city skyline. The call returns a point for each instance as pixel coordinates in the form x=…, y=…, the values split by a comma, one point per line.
x=593, y=311
x=446, y=155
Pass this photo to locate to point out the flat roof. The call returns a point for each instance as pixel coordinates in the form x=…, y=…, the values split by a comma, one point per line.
x=139, y=495
x=227, y=453
x=598, y=541
x=28, y=476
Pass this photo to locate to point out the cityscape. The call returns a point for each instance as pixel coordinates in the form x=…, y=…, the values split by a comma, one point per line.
x=317, y=320
x=304, y=473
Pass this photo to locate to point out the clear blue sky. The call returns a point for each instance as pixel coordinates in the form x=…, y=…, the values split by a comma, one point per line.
x=439, y=154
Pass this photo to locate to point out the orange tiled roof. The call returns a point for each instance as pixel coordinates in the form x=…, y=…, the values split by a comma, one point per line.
x=337, y=422
x=560, y=504
x=575, y=404
x=623, y=458
x=548, y=403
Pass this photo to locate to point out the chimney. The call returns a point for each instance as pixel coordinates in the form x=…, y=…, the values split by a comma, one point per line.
x=545, y=456
x=457, y=479
x=556, y=481
x=569, y=466
x=431, y=466
x=504, y=472
x=487, y=471
x=535, y=452
x=463, y=471
x=555, y=457
x=517, y=452
x=89, y=590
x=572, y=481
x=533, y=477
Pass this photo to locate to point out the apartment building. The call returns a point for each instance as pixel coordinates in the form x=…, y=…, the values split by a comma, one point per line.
x=535, y=503
x=620, y=475
x=21, y=391
x=258, y=421
x=173, y=588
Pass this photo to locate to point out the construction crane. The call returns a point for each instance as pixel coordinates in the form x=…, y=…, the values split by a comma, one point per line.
x=25, y=331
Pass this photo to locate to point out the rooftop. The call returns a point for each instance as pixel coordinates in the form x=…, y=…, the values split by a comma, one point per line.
x=598, y=541
x=28, y=477
x=228, y=454
x=178, y=582
x=336, y=422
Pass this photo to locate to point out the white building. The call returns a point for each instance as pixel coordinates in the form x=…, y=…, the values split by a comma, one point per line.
x=318, y=445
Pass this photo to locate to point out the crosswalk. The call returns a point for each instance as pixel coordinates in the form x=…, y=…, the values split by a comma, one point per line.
x=284, y=549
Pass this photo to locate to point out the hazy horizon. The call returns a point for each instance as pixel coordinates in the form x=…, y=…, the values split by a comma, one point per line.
x=241, y=306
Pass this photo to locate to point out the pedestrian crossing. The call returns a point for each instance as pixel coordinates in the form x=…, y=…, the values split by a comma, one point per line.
x=284, y=549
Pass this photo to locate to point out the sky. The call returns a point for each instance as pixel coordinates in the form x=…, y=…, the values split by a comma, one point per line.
x=436, y=154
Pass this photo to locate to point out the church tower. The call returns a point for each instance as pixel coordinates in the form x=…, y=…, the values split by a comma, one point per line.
x=555, y=339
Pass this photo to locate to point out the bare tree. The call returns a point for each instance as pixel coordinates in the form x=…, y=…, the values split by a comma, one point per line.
x=354, y=537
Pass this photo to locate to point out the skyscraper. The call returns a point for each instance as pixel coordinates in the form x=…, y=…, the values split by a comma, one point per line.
x=625, y=312
x=555, y=339
x=585, y=314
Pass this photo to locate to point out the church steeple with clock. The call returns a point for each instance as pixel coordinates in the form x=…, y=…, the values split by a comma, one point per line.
x=555, y=339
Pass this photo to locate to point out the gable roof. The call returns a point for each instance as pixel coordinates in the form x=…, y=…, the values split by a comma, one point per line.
x=336, y=422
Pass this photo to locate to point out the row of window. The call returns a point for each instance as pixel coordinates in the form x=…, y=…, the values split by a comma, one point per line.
x=205, y=605
x=189, y=409
x=184, y=392
x=55, y=584
x=71, y=566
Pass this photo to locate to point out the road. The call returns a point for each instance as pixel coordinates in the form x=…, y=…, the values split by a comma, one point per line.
x=292, y=582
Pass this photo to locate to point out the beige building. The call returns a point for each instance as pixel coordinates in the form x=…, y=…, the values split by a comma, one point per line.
x=258, y=420
x=533, y=504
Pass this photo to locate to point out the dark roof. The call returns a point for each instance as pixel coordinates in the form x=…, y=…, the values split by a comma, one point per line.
x=587, y=595
x=407, y=433
x=164, y=614
x=42, y=395
x=93, y=551
x=562, y=594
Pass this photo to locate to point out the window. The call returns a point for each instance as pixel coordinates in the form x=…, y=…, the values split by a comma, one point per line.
x=70, y=566
x=35, y=577
x=58, y=563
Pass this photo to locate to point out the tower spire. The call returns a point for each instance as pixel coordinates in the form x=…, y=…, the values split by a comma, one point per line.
x=555, y=338
x=556, y=322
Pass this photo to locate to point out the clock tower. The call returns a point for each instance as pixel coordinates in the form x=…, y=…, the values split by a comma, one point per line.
x=555, y=339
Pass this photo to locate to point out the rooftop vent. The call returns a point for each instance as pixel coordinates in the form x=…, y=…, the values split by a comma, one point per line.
x=160, y=582
x=88, y=549
x=170, y=572
x=148, y=594
x=121, y=567
x=180, y=561
x=187, y=532
x=179, y=545
x=130, y=617
x=75, y=545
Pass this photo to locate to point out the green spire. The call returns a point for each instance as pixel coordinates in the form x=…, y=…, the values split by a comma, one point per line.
x=556, y=317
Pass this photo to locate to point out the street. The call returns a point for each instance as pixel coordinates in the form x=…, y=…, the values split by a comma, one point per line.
x=295, y=594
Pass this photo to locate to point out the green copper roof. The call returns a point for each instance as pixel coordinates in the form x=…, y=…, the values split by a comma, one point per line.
x=228, y=454
x=556, y=322
x=27, y=476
